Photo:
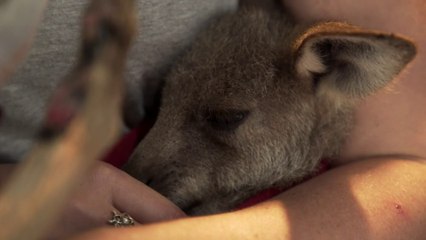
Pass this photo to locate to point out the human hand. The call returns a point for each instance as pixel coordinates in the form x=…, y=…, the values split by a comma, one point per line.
x=109, y=189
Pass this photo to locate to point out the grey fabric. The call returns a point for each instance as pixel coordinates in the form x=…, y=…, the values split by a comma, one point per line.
x=166, y=28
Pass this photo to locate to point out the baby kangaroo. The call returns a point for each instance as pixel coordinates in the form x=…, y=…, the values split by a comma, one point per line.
x=257, y=102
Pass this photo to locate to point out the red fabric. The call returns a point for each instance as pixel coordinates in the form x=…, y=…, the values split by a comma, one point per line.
x=121, y=152
x=260, y=197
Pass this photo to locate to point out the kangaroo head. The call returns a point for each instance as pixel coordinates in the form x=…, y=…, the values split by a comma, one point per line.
x=257, y=102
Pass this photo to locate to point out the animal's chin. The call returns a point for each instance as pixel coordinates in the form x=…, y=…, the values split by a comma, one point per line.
x=192, y=207
x=181, y=199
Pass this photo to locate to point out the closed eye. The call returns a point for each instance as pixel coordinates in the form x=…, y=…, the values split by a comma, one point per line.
x=225, y=120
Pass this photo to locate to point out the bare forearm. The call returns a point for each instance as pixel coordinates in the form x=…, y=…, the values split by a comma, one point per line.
x=374, y=199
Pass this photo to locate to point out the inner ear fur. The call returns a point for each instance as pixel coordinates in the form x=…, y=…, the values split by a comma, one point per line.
x=347, y=62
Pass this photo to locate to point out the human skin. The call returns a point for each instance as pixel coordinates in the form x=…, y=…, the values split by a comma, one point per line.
x=104, y=190
x=353, y=202
x=108, y=189
x=377, y=191
x=391, y=122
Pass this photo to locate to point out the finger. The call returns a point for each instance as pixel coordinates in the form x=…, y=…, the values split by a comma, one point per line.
x=141, y=202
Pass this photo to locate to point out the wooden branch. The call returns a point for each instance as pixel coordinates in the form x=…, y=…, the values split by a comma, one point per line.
x=18, y=21
x=82, y=122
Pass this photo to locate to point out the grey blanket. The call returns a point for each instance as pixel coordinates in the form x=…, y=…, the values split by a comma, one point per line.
x=166, y=28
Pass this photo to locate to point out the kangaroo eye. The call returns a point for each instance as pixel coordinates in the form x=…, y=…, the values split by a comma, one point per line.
x=226, y=120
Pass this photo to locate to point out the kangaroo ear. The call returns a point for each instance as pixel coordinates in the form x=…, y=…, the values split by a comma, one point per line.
x=346, y=62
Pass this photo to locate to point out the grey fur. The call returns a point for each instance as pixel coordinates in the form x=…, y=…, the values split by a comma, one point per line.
x=293, y=87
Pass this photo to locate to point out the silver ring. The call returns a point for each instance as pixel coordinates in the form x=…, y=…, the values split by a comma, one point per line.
x=121, y=219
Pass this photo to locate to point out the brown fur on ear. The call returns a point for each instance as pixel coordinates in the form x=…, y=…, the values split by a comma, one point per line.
x=348, y=62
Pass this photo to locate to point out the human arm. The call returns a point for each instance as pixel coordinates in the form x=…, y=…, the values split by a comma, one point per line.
x=106, y=189
x=356, y=201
